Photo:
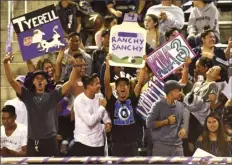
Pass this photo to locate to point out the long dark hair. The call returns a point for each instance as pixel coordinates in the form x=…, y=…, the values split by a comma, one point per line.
x=156, y=20
x=221, y=136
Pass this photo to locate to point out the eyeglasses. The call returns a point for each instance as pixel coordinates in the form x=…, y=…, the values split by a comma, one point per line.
x=81, y=66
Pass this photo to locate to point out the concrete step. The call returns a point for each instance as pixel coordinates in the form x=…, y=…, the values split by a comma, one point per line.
x=4, y=82
x=4, y=36
x=2, y=104
x=31, y=5
x=16, y=68
x=7, y=93
x=15, y=47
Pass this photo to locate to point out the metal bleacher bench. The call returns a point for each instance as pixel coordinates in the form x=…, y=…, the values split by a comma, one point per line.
x=221, y=23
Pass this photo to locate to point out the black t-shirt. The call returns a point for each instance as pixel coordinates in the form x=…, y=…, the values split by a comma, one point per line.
x=126, y=124
x=42, y=113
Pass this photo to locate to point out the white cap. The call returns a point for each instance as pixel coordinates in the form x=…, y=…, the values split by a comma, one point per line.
x=20, y=78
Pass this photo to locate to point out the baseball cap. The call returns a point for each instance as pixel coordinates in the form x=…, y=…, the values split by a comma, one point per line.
x=171, y=85
x=105, y=32
x=122, y=79
x=20, y=78
x=40, y=72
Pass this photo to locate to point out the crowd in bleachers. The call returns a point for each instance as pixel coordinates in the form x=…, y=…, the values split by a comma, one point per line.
x=79, y=105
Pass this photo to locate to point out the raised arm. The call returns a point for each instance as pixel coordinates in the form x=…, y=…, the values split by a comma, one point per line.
x=72, y=79
x=30, y=66
x=185, y=72
x=227, y=50
x=110, y=7
x=139, y=85
x=141, y=6
x=15, y=85
x=108, y=88
x=59, y=65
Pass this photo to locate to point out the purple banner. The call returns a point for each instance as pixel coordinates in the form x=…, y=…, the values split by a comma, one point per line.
x=153, y=92
x=39, y=32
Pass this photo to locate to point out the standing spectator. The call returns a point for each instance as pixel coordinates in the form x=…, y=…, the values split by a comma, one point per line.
x=126, y=123
x=201, y=101
x=203, y=64
x=109, y=21
x=69, y=16
x=89, y=110
x=119, y=8
x=100, y=54
x=167, y=122
x=13, y=134
x=204, y=13
x=74, y=48
x=41, y=106
x=169, y=15
x=208, y=49
x=154, y=37
x=20, y=108
x=213, y=138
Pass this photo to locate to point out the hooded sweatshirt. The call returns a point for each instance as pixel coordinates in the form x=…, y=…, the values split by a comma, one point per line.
x=174, y=13
x=199, y=18
x=167, y=134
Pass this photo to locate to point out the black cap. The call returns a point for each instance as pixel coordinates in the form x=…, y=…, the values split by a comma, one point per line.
x=105, y=32
x=122, y=79
x=170, y=85
x=40, y=72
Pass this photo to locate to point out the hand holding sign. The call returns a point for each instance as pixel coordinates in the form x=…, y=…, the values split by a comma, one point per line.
x=127, y=45
x=169, y=57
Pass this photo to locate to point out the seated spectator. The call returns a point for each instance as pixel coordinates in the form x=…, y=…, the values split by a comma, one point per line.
x=209, y=50
x=119, y=8
x=108, y=22
x=213, y=138
x=172, y=33
x=74, y=48
x=169, y=15
x=227, y=117
x=69, y=16
x=20, y=108
x=13, y=135
x=100, y=54
x=204, y=13
x=154, y=37
x=90, y=18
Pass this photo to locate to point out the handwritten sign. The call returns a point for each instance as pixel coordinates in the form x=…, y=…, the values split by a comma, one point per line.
x=153, y=93
x=169, y=57
x=127, y=45
x=39, y=32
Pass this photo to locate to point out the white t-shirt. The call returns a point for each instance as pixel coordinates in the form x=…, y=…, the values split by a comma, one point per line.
x=88, y=115
x=16, y=140
x=20, y=110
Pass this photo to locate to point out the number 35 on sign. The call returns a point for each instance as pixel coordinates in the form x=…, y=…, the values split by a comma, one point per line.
x=169, y=57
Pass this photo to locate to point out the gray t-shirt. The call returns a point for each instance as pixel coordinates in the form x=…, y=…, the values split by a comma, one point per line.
x=167, y=134
x=42, y=113
x=205, y=89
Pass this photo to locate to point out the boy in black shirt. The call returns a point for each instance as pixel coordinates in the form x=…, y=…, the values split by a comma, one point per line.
x=126, y=124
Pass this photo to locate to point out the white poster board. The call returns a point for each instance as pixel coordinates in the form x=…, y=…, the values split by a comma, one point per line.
x=128, y=43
